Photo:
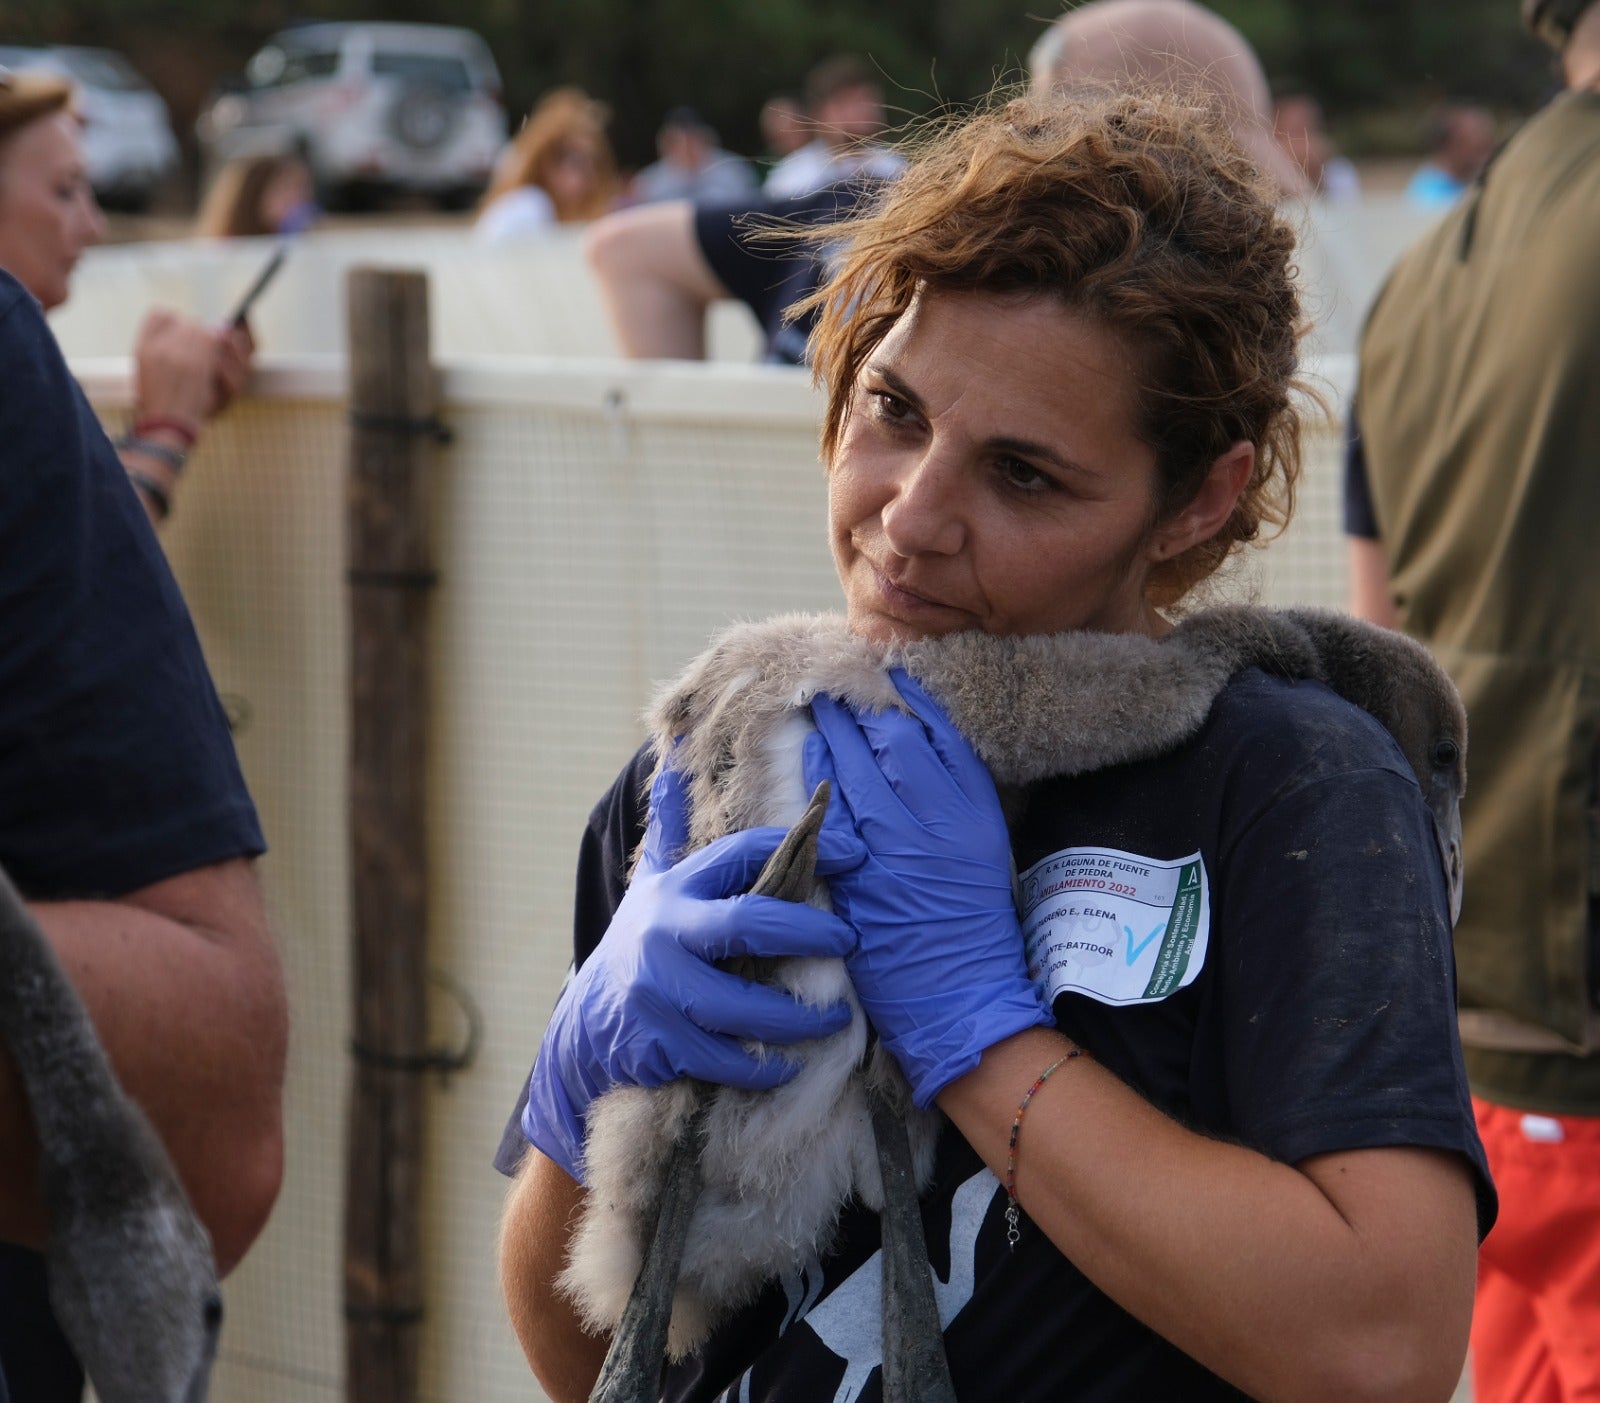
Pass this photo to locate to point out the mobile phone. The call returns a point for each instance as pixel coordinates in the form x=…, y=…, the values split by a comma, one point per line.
x=268, y=272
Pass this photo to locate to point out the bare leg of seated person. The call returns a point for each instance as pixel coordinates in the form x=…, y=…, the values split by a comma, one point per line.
x=655, y=281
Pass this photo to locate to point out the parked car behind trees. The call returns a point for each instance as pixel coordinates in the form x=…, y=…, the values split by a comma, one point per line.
x=128, y=143
x=368, y=107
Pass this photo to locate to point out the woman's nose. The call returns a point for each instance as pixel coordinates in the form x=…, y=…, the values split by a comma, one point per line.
x=925, y=512
x=94, y=220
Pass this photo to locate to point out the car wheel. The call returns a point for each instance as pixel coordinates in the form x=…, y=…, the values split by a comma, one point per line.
x=423, y=118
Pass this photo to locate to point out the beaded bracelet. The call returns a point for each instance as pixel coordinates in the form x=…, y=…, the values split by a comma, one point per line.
x=154, y=424
x=154, y=491
x=1013, y=1208
x=174, y=458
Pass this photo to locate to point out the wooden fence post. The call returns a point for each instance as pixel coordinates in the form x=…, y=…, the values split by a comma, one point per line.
x=392, y=419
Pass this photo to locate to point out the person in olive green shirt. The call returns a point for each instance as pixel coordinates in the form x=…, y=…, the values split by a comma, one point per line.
x=1473, y=493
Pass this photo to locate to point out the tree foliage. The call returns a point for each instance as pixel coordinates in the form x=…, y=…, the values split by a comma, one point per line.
x=726, y=57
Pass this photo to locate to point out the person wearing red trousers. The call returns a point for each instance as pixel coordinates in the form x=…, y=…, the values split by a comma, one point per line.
x=1471, y=502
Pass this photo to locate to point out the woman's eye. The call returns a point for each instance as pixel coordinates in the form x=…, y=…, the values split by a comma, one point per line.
x=889, y=406
x=1023, y=476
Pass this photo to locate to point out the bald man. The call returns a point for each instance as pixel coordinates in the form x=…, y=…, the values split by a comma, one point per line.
x=1173, y=45
x=661, y=266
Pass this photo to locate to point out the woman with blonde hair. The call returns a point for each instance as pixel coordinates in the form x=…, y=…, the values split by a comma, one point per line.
x=557, y=170
x=185, y=372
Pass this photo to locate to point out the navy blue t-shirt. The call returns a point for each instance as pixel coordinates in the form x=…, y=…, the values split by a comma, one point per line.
x=116, y=766
x=1308, y=1007
x=769, y=275
x=1359, y=518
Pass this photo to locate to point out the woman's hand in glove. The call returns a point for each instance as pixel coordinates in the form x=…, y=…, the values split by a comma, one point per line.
x=939, y=966
x=650, y=1005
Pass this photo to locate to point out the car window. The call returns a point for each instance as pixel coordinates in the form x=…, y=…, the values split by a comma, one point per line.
x=278, y=64
x=101, y=68
x=430, y=70
x=316, y=63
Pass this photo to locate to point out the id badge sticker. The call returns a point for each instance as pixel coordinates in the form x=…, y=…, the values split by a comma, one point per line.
x=1121, y=928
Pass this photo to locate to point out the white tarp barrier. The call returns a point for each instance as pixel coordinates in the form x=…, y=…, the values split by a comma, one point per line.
x=594, y=524
x=539, y=298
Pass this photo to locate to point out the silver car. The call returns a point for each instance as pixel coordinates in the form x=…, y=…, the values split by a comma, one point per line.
x=128, y=143
x=399, y=106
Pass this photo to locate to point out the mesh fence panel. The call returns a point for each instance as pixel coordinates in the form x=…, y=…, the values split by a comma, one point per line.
x=592, y=527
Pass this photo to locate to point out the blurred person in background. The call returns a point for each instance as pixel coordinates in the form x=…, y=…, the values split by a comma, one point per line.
x=1460, y=141
x=185, y=372
x=844, y=108
x=559, y=169
x=1298, y=126
x=1178, y=47
x=1189, y=49
x=691, y=166
x=254, y=196
x=783, y=130
x=661, y=268
x=1471, y=502
x=124, y=819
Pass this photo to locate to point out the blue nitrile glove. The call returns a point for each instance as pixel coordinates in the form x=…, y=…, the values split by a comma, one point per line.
x=939, y=967
x=649, y=1006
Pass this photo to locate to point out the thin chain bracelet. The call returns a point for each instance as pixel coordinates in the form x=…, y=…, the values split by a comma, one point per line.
x=1013, y=1208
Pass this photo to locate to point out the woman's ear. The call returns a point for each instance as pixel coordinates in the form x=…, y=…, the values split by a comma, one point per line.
x=1207, y=512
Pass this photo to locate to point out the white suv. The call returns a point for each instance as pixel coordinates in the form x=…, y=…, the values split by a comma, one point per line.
x=128, y=143
x=401, y=106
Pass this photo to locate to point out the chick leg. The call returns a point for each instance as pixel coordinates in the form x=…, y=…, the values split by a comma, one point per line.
x=632, y=1369
x=914, y=1366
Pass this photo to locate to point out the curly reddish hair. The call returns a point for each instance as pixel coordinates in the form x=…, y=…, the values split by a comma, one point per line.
x=1136, y=209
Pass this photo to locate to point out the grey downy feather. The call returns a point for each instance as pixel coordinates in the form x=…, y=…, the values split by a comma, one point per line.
x=787, y=1162
x=129, y=1267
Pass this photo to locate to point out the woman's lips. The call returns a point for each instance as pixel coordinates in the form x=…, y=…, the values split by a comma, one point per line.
x=902, y=598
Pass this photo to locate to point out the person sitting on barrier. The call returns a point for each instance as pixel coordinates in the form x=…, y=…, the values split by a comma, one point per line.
x=185, y=372
x=1060, y=357
x=557, y=170
x=259, y=196
x=661, y=268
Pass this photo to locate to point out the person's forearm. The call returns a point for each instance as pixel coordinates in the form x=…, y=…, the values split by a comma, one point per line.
x=182, y=983
x=1247, y=1265
x=153, y=476
x=540, y=1211
x=1370, y=598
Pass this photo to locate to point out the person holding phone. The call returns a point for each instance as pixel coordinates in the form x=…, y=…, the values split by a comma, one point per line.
x=124, y=818
x=185, y=371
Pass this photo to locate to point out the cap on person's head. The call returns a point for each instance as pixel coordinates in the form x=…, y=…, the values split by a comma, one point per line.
x=1173, y=45
x=1553, y=20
